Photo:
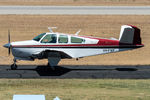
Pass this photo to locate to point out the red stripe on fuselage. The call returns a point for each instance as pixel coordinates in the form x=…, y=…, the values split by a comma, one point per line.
x=101, y=42
x=66, y=45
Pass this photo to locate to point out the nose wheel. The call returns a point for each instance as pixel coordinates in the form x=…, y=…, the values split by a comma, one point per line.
x=14, y=65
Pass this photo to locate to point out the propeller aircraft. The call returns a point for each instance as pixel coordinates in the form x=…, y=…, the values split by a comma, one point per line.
x=55, y=46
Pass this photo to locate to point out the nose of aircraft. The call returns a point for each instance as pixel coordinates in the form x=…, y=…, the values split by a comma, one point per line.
x=7, y=45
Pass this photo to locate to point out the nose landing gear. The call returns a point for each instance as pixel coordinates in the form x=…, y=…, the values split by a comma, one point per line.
x=14, y=65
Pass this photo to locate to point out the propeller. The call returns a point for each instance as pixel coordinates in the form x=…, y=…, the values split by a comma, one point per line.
x=9, y=49
x=8, y=45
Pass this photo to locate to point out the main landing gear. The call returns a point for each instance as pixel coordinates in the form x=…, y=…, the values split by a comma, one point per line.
x=14, y=65
x=51, y=67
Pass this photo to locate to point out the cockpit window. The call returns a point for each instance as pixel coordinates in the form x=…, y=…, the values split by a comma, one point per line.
x=37, y=38
x=63, y=39
x=50, y=38
x=77, y=40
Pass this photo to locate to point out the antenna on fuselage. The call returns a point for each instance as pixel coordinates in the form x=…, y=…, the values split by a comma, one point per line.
x=78, y=32
x=50, y=29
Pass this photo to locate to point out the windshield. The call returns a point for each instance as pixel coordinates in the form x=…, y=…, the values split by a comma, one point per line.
x=37, y=38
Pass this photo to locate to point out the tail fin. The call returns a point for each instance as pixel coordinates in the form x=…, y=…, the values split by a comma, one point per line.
x=130, y=34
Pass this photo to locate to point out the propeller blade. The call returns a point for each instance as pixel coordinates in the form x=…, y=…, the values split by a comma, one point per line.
x=8, y=36
x=9, y=49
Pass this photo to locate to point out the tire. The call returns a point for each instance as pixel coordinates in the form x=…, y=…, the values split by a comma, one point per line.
x=14, y=67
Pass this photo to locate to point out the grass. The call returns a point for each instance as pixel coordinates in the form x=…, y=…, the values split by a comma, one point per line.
x=77, y=89
x=77, y=2
x=25, y=27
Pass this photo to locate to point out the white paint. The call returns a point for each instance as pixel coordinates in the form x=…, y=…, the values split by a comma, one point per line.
x=53, y=53
x=28, y=97
x=126, y=34
x=27, y=42
x=76, y=10
x=57, y=98
x=72, y=52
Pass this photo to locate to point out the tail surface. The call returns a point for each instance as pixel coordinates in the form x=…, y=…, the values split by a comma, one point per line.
x=130, y=35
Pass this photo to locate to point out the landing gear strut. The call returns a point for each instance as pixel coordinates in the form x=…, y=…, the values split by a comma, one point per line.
x=14, y=65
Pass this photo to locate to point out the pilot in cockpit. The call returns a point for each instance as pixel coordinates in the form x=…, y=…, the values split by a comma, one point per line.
x=53, y=39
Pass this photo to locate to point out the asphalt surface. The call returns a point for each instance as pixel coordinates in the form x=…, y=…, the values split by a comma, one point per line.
x=78, y=72
x=76, y=10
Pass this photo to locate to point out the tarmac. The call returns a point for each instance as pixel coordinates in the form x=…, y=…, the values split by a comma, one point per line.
x=76, y=72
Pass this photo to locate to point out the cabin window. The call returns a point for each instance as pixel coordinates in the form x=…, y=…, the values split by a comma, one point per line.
x=63, y=39
x=76, y=40
x=50, y=38
x=37, y=38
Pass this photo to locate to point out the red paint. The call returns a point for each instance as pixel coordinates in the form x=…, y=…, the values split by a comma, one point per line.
x=132, y=26
x=108, y=42
x=71, y=45
x=137, y=37
x=101, y=42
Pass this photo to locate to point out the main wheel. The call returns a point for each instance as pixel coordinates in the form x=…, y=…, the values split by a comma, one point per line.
x=14, y=67
x=48, y=65
x=52, y=67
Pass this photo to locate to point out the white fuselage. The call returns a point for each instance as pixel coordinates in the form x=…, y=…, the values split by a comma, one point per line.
x=56, y=46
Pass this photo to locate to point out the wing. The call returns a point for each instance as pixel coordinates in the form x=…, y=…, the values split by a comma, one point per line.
x=50, y=53
x=53, y=56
